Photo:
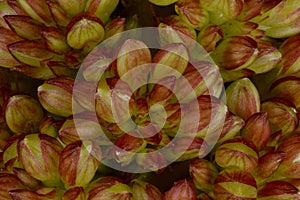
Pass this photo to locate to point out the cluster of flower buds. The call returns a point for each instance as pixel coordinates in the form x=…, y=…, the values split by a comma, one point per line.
x=129, y=121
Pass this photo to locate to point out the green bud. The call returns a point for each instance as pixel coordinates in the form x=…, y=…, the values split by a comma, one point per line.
x=32, y=52
x=203, y=174
x=10, y=157
x=24, y=194
x=234, y=75
x=163, y=2
x=126, y=148
x=109, y=188
x=145, y=191
x=173, y=29
x=282, y=20
x=278, y=190
x=23, y=114
x=101, y=9
x=55, y=40
x=232, y=126
x=257, y=129
x=209, y=36
x=9, y=182
x=49, y=126
x=174, y=56
x=267, y=59
x=38, y=10
x=281, y=114
x=289, y=166
x=237, y=152
x=290, y=56
x=85, y=31
x=192, y=13
x=5, y=9
x=72, y=8
x=24, y=26
x=233, y=183
x=287, y=88
x=181, y=190
x=42, y=73
x=150, y=159
x=131, y=53
x=6, y=59
x=59, y=15
x=243, y=98
x=251, y=8
x=55, y=95
x=269, y=163
x=226, y=9
x=76, y=193
x=79, y=162
x=26, y=179
x=39, y=155
x=236, y=52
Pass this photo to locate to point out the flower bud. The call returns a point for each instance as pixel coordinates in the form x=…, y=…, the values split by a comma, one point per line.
x=31, y=52
x=237, y=152
x=55, y=40
x=76, y=193
x=5, y=9
x=188, y=148
x=79, y=162
x=282, y=20
x=49, y=126
x=278, y=190
x=78, y=28
x=287, y=87
x=268, y=57
x=290, y=56
x=38, y=10
x=24, y=26
x=232, y=126
x=23, y=114
x=269, y=163
x=162, y=90
x=39, y=155
x=257, y=129
x=10, y=156
x=72, y=8
x=126, y=148
x=101, y=9
x=289, y=166
x=109, y=188
x=55, y=95
x=163, y=2
x=9, y=182
x=173, y=29
x=205, y=196
x=237, y=28
x=7, y=37
x=209, y=36
x=236, y=52
x=145, y=191
x=281, y=114
x=115, y=26
x=192, y=13
x=226, y=9
x=181, y=190
x=59, y=15
x=24, y=194
x=50, y=193
x=26, y=179
x=251, y=8
x=203, y=78
x=42, y=73
x=131, y=53
x=243, y=98
x=234, y=75
x=203, y=174
x=151, y=159
x=233, y=183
